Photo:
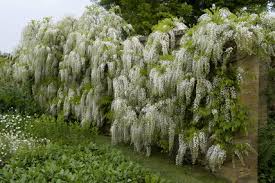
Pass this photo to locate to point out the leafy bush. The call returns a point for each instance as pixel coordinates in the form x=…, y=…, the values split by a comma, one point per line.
x=267, y=137
x=267, y=153
x=18, y=131
x=13, y=97
x=164, y=25
x=58, y=131
x=88, y=163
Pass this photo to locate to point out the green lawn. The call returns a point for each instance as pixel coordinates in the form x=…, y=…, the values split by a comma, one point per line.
x=160, y=163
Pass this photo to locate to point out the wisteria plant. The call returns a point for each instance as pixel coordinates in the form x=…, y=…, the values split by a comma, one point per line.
x=181, y=85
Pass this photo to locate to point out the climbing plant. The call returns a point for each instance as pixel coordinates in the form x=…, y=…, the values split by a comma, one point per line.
x=72, y=62
x=180, y=85
x=190, y=93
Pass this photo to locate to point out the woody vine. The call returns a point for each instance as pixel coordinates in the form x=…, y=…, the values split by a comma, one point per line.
x=181, y=85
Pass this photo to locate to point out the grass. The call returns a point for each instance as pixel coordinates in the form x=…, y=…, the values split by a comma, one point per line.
x=160, y=163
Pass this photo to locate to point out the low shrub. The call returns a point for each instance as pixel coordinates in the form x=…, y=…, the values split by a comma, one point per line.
x=59, y=131
x=17, y=98
x=82, y=163
x=19, y=131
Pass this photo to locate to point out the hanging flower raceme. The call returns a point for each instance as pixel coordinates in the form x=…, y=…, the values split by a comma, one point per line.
x=180, y=83
x=215, y=157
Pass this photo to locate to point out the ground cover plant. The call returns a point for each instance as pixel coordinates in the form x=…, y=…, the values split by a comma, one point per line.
x=62, y=163
x=58, y=131
x=45, y=149
x=13, y=136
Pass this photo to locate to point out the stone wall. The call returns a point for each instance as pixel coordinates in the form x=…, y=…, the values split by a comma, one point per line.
x=252, y=95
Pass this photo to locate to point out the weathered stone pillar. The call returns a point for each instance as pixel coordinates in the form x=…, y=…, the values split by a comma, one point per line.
x=252, y=95
x=263, y=85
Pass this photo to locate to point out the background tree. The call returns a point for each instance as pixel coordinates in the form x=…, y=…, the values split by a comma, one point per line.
x=143, y=14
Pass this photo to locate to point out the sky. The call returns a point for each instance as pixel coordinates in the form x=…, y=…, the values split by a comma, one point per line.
x=15, y=14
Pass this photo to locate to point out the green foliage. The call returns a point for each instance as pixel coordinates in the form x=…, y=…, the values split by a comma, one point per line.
x=81, y=163
x=144, y=72
x=143, y=14
x=224, y=131
x=13, y=136
x=87, y=87
x=267, y=137
x=105, y=105
x=2, y=60
x=68, y=156
x=164, y=25
x=167, y=57
x=267, y=153
x=105, y=100
x=58, y=131
x=15, y=97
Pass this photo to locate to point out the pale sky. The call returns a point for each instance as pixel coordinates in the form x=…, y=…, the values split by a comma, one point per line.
x=15, y=14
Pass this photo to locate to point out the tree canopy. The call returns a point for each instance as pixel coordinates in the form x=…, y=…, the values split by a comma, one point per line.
x=143, y=14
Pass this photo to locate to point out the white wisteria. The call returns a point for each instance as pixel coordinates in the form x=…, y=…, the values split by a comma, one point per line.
x=172, y=86
x=215, y=156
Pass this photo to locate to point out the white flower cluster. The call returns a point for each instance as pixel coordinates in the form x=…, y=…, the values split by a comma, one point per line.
x=157, y=42
x=66, y=57
x=215, y=157
x=13, y=137
x=186, y=79
x=197, y=143
x=188, y=75
x=158, y=90
x=182, y=150
x=161, y=83
x=132, y=49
